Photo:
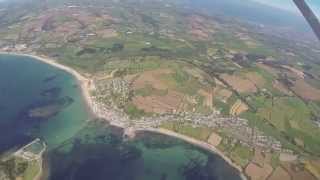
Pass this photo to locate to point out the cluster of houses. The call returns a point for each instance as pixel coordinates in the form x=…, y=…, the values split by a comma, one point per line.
x=236, y=128
x=110, y=89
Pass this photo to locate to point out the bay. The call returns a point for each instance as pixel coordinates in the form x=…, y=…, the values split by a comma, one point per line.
x=41, y=101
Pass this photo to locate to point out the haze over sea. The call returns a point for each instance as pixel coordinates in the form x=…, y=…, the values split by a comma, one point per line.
x=289, y=5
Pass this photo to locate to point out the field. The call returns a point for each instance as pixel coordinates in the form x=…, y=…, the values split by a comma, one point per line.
x=200, y=133
x=242, y=85
x=306, y=91
x=241, y=155
x=280, y=173
x=314, y=167
x=19, y=169
x=162, y=88
x=281, y=88
x=238, y=108
x=160, y=59
x=292, y=116
x=255, y=172
x=214, y=139
x=297, y=171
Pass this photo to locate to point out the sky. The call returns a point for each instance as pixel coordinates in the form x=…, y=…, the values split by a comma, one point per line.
x=289, y=5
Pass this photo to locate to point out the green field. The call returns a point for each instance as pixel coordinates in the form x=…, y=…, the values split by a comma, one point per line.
x=16, y=168
x=200, y=133
x=197, y=49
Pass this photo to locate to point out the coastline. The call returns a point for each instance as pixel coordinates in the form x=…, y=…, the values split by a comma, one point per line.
x=86, y=85
x=201, y=144
x=84, y=82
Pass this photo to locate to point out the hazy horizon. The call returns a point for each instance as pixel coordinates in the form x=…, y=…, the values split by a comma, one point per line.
x=282, y=4
x=290, y=6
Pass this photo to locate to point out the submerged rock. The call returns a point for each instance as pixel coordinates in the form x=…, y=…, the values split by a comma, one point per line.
x=45, y=109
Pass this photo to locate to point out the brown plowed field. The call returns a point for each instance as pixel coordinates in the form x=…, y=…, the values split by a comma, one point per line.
x=306, y=91
x=239, y=84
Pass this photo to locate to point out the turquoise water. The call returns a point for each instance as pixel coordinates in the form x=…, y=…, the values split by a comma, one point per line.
x=99, y=153
x=37, y=100
x=22, y=83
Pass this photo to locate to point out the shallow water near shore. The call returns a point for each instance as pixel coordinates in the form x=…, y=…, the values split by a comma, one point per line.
x=98, y=152
x=38, y=100
x=26, y=86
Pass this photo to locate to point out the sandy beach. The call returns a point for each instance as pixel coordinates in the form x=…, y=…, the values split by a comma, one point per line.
x=198, y=143
x=86, y=86
x=85, y=83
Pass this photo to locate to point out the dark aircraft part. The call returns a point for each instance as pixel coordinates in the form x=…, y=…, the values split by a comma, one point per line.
x=309, y=16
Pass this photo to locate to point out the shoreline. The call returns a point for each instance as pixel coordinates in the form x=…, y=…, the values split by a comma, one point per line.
x=86, y=85
x=84, y=82
x=200, y=144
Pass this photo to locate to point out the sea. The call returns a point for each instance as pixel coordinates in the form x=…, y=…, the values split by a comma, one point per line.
x=40, y=101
